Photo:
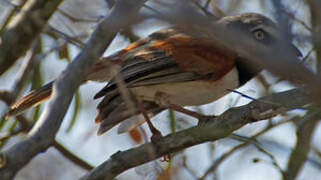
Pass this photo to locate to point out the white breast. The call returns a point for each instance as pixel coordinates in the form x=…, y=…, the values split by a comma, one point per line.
x=191, y=93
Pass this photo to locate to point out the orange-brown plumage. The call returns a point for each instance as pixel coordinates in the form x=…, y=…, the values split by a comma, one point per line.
x=189, y=69
x=201, y=55
x=202, y=63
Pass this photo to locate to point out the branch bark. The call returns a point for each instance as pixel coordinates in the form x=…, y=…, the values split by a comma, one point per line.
x=299, y=154
x=215, y=129
x=306, y=128
x=72, y=157
x=316, y=29
x=23, y=29
x=43, y=133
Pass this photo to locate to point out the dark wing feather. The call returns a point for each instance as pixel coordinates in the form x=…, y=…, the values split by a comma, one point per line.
x=177, y=58
x=145, y=72
x=139, y=71
x=121, y=113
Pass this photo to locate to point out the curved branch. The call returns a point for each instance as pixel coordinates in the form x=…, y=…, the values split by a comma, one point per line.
x=72, y=157
x=300, y=152
x=309, y=123
x=43, y=133
x=316, y=29
x=23, y=29
x=216, y=128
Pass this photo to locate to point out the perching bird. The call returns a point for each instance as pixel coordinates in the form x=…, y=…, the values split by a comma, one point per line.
x=173, y=66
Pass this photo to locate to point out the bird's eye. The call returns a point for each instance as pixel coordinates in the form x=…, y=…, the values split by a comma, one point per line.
x=259, y=34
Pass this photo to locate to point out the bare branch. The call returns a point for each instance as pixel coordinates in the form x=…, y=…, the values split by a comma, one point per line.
x=316, y=29
x=223, y=157
x=72, y=157
x=299, y=154
x=203, y=9
x=72, y=40
x=29, y=62
x=216, y=128
x=306, y=128
x=77, y=19
x=43, y=133
x=23, y=29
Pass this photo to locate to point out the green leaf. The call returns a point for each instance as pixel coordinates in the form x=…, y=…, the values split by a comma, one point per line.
x=172, y=120
x=11, y=128
x=36, y=113
x=36, y=82
x=3, y=121
x=63, y=52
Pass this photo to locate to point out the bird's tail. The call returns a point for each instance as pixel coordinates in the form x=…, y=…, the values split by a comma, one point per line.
x=99, y=72
x=31, y=99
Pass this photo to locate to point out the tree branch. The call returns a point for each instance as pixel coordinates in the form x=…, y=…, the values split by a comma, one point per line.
x=316, y=29
x=43, y=133
x=306, y=128
x=23, y=29
x=72, y=157
x=30, y=61
x=216, y=128
x=299, y=154
x=252, y=140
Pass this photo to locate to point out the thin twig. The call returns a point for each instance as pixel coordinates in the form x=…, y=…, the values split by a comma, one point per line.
x=25, y=28
x=70, y=39
x=29, y=62
x=299, y=154
x=207, y=4
x=205, y=10
x=77, y=19
x=71, y=156
x=16, y=8
x=223, y=157
x=292, y=16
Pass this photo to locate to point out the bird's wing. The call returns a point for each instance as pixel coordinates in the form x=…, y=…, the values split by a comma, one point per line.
x=177, y=58
x=162, y=59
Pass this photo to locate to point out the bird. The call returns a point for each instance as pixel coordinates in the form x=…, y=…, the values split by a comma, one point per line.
x=170, y=69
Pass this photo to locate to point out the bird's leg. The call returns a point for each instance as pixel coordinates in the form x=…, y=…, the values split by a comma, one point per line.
x=163, y=100
x=156, y=133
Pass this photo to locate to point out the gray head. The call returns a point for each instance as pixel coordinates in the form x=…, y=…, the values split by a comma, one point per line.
x=261, y=28
x=262, y=31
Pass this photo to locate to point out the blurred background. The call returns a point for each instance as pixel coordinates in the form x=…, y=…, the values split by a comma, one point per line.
x=257, y=151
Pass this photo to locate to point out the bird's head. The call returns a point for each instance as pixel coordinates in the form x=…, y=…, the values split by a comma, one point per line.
x=258, y=28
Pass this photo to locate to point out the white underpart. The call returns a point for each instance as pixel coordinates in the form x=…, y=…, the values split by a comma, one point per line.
x=191, y=93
